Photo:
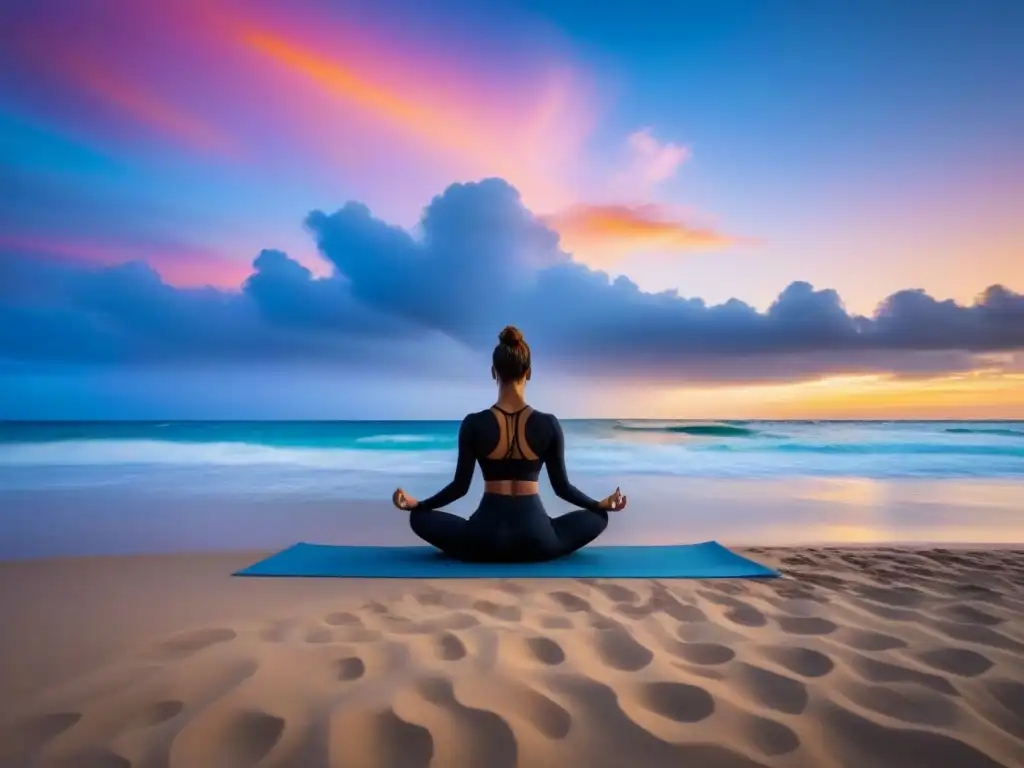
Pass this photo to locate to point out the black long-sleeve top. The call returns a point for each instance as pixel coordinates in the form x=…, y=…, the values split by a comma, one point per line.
x=478, y=437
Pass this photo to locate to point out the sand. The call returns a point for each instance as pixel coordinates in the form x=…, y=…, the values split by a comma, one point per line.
x=857, y=657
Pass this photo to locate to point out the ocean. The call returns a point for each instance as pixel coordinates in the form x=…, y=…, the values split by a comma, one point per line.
x=356, y=458
x=102, y=487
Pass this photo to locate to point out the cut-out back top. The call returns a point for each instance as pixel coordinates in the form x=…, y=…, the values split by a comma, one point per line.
x=510, y=446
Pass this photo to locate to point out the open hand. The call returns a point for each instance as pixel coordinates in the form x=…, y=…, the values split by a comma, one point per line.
x=402, y=500
x=614, y=503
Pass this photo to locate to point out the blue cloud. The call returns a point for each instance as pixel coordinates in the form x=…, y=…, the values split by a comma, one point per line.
x=479, y=261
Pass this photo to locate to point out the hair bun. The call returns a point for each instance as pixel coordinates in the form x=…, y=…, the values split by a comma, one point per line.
x=510, y=336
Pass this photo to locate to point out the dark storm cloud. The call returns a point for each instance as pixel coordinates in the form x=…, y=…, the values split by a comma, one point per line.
x=480, y=260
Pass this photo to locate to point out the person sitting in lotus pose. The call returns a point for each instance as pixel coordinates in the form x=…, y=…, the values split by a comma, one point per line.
x=511, y=441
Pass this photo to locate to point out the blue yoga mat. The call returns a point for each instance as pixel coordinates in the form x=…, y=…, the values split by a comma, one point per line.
x=709, y=560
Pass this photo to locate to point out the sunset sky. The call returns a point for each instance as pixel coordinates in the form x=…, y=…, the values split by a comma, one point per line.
x=328, y=209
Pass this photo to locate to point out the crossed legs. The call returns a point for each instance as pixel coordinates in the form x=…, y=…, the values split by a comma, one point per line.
x=539, y=540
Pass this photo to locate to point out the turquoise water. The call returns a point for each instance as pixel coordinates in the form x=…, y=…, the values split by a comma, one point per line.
x=749, y=449
x=102, y=488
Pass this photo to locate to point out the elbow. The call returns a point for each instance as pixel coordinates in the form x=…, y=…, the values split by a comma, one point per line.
x=564, y=491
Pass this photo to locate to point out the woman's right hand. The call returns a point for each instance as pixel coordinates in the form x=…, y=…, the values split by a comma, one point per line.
x=614, y=503
x=402, y=500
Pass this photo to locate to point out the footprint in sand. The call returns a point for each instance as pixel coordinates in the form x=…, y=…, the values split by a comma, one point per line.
x=770, y=737
x=802, y=661
x=956, y=661
x=687, y=614
x=806, y=625
x=478, y=737
x=772, y=690
x=704, y=654
x=856, y=740
x=545, y=651
x=620, y=650
x=543, y=713
x=866, y=640
x=188, y=643
x=968, y=614
x=448, y=647
x=896, y=597
x=663, y=601
x=641, y=611
x=243, y=738
x=908, y=703
x=1010, y=694
x=434, y=597
x=350, y=668
x=393, y=742
x=253, y=734
x=343, y=619
x=497, y=611
x=600, y=621
x=620, y=741
x=728, y=587
x=570, y=602
x=614, y=592
x=746, y=616
x=875, y=671
x=977, y=633
x=788, y=590
x=546, y=715
x=556, y=622
x=681, y=702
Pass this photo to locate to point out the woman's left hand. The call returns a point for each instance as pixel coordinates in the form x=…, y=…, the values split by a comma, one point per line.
x=402, y=500
x=614, y=503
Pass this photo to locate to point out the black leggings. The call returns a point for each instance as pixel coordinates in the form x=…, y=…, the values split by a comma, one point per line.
x=508, y=529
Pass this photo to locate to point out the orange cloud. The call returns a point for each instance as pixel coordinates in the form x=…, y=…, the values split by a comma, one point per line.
x=526, y=135
x=616, y=229
x=344, y=82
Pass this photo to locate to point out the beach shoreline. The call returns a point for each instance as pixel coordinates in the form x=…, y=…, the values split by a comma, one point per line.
x=858, y=655
x=138, y=515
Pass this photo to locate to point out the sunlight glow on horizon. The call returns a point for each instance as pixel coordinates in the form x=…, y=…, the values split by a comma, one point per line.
x=979, y=395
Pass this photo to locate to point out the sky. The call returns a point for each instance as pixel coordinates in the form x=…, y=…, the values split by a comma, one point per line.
x=327, y=209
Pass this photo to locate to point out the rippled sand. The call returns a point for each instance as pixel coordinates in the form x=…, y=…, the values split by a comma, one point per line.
x=858, y=657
